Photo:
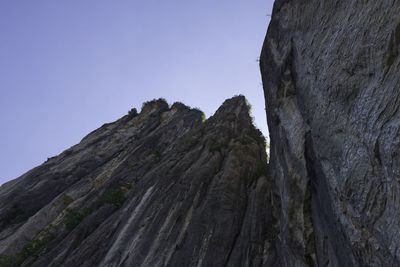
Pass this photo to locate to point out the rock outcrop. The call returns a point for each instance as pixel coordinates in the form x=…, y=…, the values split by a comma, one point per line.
x=166, y=188
x=331, y=79
x=158, y=188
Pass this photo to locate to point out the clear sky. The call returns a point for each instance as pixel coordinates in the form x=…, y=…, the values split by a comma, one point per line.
x=69, y=66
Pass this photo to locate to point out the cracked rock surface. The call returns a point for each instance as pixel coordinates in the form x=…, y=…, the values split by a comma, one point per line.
x=159, y=188
x=331, y=79
x=165, y=188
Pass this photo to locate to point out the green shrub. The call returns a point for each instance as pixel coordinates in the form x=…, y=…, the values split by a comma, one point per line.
x=179, y=106
x=203, y=115
x=154, y=101
x=31, y=249
x=67, y=200
x=133, y=112
x=34, y=247
x=114, y=196
x=9, y=261
x=74, y=217
x=258, y=136
x=245, y=140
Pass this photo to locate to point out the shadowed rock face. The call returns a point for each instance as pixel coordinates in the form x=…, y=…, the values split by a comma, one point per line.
x=161, y=188
x=331, y=80
x=164, y=188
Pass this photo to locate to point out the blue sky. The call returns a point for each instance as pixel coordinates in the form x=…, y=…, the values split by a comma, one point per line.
x=69, y=66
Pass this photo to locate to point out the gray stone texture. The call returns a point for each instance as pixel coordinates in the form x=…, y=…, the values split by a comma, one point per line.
x=331, y=78
x=161, y=188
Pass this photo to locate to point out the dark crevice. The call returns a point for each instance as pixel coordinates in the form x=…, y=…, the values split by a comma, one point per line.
x=240, y=228
x=323, y=216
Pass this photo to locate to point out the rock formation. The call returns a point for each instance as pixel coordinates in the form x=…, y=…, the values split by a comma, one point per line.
x=159, y=188
x=166, y=188
x=331, y=80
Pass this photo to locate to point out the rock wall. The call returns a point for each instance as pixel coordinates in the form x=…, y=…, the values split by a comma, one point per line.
x=159, y=188
x=165, y=188
x=331, y=79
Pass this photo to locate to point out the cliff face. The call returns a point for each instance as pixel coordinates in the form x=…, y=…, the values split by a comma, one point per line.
x=165, y=188
x=331, y=79
x=159, y=188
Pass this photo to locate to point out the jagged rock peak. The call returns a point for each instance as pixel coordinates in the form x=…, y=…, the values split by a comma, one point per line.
x=158, y=188
x=237, y=105
x=236, y=112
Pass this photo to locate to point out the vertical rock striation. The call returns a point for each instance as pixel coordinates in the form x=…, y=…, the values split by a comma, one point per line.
x=331, y=79
x=159, y=188
x=165, y=188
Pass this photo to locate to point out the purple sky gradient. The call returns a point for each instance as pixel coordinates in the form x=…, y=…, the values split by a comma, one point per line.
x=69, y=66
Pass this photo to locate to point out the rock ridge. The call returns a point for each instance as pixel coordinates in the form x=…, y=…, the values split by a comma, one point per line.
x=161, y=187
